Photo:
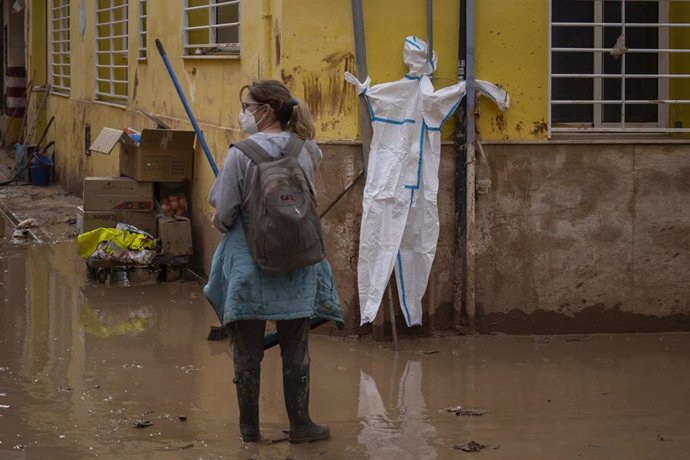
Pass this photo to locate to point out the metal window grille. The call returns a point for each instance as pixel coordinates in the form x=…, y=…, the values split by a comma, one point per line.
x=143, y=28
x=59, y=39
x=641, y=90
x=211, y=27
x=111, y=51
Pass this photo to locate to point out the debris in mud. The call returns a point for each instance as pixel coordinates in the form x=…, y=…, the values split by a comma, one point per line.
x=659, y=437
x=21, y=233
x=64, y=389
x=27, y=223
x=278, y=440
x=71, y=221
x=182, y=418
x=574, y=339
x=459, y=411
x=131, y=365
x=187, y=369
x=143, y=423
x=19, y=447
x=429, y=352
x=187, y=446
x=23, y=228
x=472, y=446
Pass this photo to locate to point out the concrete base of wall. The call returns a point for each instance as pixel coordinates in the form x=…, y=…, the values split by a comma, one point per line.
x=570, y=238
x=585, y=238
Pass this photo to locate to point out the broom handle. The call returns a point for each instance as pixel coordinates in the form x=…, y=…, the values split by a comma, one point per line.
x=183, y=98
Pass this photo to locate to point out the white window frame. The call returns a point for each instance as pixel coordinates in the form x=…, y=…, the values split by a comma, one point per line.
x=59, y=57
x=663, y=75
x=213, y=47
x=143, y=30
x=111, y=95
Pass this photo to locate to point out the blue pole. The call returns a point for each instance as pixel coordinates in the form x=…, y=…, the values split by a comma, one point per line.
x=199, y=134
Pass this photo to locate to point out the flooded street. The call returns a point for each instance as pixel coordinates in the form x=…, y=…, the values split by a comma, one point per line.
x=82, y=364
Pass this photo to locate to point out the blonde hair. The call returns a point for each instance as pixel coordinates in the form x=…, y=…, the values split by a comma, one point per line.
x=293, y=114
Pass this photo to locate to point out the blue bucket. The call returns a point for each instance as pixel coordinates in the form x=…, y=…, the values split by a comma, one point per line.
x=41, y=167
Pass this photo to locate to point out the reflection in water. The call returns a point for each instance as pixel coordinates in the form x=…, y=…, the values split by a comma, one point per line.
x=402, y=436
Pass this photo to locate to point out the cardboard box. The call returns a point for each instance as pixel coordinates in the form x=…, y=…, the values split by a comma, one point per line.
x=164, y=155
x=91, y=220
x=175, y=234
x=117, y=193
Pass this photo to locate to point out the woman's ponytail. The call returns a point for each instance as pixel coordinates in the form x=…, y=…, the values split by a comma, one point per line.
x=300, y=122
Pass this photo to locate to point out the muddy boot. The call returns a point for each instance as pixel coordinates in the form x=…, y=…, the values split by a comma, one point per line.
x=247, y=383
x=296, y=389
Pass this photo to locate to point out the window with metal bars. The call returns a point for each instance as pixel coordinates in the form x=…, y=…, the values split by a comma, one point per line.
x=143, y=28
x=211, y=27
x=111, y=51
x=59, y=65
x=620, y=66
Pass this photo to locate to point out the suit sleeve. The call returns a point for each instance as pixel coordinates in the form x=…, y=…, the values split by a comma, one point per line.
x=439, y=105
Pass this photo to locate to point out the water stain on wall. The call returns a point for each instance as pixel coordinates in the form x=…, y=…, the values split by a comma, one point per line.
x=136, y=85
x=325, y=91
x=276, y=28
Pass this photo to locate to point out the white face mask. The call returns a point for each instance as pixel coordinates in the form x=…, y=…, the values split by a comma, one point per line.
x=247, y=122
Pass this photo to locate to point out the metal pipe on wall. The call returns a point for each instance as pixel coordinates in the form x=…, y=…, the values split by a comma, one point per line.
x=470, y=161
x=362, y=72
x=430, y=30
x=460, y=181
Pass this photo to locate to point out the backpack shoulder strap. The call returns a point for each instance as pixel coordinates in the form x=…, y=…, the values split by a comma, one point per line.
x=253, y=150
x=313, y=148
x=294, y=146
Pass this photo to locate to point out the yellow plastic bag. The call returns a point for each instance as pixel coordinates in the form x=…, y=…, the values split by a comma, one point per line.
x=89, y=242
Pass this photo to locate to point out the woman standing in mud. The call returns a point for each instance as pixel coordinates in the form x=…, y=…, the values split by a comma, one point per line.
x=245, y=296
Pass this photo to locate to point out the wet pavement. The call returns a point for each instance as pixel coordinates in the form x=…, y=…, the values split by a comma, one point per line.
x=82, y=364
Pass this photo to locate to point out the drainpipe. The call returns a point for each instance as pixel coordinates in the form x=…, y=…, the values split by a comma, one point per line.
x=362, y=72
x=429, y=30
x=460, y=182
x=470, y=161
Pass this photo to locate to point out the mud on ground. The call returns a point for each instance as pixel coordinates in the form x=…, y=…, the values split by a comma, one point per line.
x=53, y=209
x=91, y=370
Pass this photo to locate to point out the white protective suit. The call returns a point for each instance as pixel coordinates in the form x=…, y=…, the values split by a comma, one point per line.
x=400, y=215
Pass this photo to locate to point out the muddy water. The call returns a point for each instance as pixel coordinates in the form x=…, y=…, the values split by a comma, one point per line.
x=81, y=364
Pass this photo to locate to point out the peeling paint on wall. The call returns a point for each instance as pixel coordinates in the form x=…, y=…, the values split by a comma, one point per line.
x=191, y=84
x=540, y=128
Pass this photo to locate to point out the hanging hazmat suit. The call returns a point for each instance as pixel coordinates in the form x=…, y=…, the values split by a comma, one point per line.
x=399, y=210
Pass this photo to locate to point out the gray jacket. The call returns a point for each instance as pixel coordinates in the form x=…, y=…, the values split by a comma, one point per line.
x=237, y=174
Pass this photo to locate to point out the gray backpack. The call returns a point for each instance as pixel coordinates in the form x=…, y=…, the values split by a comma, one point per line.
x=284, y=232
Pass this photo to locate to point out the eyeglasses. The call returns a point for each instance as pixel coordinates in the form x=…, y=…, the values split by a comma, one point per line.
x=245, y=105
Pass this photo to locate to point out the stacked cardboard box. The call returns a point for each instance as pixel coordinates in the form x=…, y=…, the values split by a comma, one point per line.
x=161, y=157
x=111, y=200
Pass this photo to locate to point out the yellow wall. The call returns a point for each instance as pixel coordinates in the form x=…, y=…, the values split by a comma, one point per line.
x=308, y=44
x=311, y=51
x=512, y=50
